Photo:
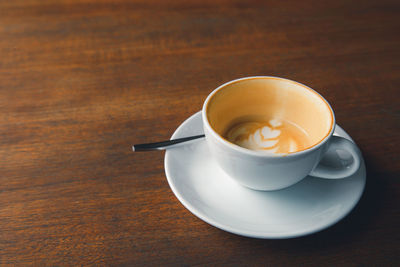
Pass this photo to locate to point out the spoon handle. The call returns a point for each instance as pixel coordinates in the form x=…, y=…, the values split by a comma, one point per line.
x=164, y=144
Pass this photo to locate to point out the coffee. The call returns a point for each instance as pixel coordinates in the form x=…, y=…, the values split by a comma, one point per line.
x=269, y=115
x=272, y=136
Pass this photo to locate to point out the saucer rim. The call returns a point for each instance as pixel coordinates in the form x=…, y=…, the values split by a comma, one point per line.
x=256, y=234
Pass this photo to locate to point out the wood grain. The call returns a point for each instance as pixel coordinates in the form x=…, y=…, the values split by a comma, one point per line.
x=81, y=81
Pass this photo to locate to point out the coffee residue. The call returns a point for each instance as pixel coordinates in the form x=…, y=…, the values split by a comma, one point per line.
x=273, y=136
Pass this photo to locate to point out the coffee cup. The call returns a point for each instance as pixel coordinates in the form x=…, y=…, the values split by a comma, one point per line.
x=268, y=133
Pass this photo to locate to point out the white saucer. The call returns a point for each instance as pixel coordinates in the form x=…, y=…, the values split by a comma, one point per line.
x=304, y=208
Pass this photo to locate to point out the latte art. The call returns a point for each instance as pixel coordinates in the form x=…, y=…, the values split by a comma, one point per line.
x=274, y=136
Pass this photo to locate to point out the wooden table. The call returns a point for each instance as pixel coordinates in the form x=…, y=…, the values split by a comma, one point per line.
x=81, y=81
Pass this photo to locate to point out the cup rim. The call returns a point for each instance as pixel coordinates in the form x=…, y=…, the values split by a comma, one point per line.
x=261, y=153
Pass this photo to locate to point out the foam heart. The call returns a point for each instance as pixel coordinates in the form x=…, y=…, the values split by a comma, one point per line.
x=269, y=133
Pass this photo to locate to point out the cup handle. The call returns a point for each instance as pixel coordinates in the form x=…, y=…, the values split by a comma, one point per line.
x=339, y=143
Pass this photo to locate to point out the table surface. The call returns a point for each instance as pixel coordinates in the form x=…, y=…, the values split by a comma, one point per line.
x=81, y=81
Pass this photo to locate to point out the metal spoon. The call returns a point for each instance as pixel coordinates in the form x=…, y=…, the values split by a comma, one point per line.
x=164, y=144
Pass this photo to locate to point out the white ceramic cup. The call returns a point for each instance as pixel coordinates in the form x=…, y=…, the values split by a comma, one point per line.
x=264, y=171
